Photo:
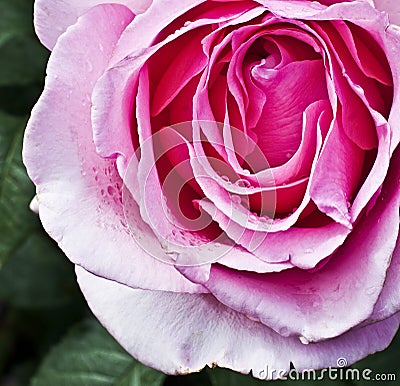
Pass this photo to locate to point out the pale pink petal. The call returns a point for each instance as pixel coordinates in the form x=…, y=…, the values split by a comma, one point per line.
x=197, y=330
x=391, y=41
x=392, y=7
x=79, y=192
x=53, y=17
x=389, y=299
x=335, y=179
x=114, y=93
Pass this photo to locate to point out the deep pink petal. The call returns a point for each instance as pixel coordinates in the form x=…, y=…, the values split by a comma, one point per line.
x=289, y=91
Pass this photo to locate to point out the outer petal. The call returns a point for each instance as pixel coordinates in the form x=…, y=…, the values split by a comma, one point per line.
x=79, y=192
x=392, y=7
x=197, y=330
x=389, y=299
x=53, y=17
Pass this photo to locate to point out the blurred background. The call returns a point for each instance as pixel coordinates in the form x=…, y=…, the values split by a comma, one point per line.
x=48, y=336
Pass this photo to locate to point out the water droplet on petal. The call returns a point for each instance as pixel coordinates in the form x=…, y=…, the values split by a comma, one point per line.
x=304, y=340
x=236, y=199
x=266, y=220
x=370, y=291
x=284, y=331
x=253, y=217
x=110, y=190
x=89, y=65
x=242, y=183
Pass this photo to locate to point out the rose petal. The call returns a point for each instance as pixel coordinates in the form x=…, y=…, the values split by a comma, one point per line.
x=335, y=180
x=392, y=7
x=197, y=330
x=79, y=192
x=289, y=91
x=53, y=17
x=296, y=301
x=304, y=248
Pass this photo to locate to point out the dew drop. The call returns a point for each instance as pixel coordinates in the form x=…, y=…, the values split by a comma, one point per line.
x=266, y=220
x=110, y=190
x=289, y=155
x=304, y=340
x=172, y=254
x=236, y=199
x=370, y=291
x=89, y=66
x=102, y=192
x=242, y=183
x=253, y=217
x=284, y=331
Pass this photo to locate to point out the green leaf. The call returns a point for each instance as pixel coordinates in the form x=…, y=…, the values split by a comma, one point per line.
x=16, y=17
x=19, y=100
x=22, y=60
x=195, y=379
x=16, y=190
x=225, y=377
x=38, y=275
x=89, y=356
x=22, y=57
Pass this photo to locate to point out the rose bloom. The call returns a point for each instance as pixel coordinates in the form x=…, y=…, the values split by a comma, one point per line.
x=224, y=175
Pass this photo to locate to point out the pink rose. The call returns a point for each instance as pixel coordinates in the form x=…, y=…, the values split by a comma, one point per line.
x=224, y=175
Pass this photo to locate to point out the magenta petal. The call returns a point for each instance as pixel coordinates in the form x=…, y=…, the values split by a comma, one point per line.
x=80, y=192
x=289, y=91
x=197, y=330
